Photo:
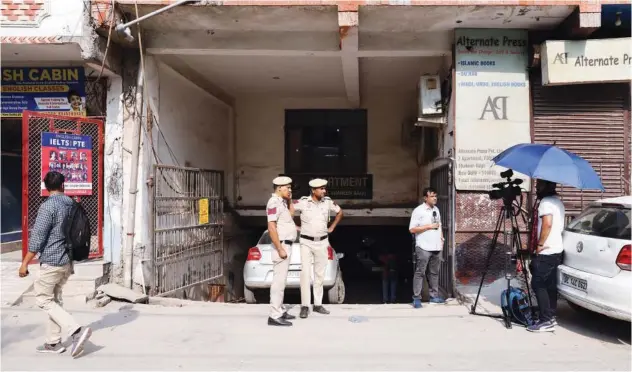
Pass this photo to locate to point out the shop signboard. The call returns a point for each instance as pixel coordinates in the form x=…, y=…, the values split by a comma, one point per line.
x=586, y=61
x=53, y=90
x=492, y=103
x=350, y=187
x=70, y=155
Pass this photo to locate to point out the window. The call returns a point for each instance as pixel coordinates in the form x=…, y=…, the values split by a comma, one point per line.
x=606, y=222
x=326, y=141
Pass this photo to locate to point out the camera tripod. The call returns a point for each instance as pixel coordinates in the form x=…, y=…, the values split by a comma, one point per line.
x=506, y=213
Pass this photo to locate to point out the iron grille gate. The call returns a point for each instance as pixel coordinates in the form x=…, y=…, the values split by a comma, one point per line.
x=440, y=180
x=33, y=125
x=188, y=228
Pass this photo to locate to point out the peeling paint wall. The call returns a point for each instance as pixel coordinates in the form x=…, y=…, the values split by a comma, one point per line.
x=476, y=217
x=261, y=141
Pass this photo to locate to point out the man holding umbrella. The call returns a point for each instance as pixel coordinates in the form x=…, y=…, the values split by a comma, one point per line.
x=549, y=251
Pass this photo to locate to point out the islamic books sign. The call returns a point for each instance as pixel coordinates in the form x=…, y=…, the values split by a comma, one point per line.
x=492, y=102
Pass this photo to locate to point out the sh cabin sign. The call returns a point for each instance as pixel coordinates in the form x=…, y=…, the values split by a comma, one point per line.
x=586, y=61
x=492, y=102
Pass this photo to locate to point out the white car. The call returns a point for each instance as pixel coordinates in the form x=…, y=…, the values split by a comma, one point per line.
x=595, y=273
x=258, y=271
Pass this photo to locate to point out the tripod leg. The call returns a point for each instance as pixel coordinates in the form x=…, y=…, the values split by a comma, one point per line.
x=492, y=248
x=524, y=267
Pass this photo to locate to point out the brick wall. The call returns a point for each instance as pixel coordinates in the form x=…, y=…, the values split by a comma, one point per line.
x=23, y=12
x=476, y=217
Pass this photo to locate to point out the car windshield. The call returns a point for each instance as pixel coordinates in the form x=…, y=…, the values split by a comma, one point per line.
x=265, y=239
x=604, y=221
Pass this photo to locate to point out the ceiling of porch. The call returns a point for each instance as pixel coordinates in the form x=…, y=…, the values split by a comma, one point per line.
x=299, y=50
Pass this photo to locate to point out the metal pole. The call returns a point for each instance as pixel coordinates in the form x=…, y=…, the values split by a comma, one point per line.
x=133, y=186
x=122, y=27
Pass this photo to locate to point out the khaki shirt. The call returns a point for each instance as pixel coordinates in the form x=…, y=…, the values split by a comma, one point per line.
x=315, y=215
x=277, y=211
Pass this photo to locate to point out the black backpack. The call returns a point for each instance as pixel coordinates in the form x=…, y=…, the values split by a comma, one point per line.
x=76, y=228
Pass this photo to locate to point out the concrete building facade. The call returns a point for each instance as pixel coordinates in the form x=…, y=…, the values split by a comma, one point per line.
x=246, y=88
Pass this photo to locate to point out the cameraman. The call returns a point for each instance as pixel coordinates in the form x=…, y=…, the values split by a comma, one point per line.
x=548, y=254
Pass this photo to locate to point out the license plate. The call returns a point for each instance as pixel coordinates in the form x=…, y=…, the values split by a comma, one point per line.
x=294, y=274
x=574, y=282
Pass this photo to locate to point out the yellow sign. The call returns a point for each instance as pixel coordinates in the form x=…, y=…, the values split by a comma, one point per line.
x=203, y=211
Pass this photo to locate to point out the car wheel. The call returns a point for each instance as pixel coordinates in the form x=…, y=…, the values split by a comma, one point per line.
x=336, y=294
x=249, y=296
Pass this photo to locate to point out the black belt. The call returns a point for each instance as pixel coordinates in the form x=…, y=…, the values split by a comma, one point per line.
x=315, y=239
x=288, y=242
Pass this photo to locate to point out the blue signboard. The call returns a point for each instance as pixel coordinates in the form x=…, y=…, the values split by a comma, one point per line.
x=54, y=90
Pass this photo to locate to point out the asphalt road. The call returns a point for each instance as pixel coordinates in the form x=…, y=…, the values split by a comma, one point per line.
x=391, y=337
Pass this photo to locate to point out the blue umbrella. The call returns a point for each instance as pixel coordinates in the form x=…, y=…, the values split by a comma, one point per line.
x=550, y=163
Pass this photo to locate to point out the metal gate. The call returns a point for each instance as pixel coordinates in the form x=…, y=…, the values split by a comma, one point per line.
x=441, y=180
x=188, y=227
x=33, y=125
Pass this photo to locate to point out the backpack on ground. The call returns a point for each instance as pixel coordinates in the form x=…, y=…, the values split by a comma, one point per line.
x=518, y=308
x=76, y=228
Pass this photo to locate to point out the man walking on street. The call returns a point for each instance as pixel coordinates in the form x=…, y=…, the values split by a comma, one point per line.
x=425, y=225
x=47, y=238
x=549, y=254
x=282, y=231
x=315, y=214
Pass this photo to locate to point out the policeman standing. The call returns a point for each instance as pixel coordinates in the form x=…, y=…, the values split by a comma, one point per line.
x=282, y=231
x=315, y=214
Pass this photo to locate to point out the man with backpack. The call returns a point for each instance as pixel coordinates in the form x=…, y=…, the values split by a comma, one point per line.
x=50, y=239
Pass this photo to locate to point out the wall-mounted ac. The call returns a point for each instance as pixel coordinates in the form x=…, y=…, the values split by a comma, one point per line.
x=430, y=102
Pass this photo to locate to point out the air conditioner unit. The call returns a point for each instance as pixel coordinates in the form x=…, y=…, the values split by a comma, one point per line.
x=429, y=101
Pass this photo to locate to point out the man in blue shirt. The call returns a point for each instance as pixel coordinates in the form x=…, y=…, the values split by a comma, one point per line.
x=47, y=238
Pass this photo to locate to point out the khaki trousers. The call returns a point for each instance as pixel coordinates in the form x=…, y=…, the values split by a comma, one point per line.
x=279, y=279
x=48, y=290
x=313, y=253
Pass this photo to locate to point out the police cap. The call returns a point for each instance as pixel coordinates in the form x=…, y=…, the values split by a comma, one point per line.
x=282, y=181
x=318, y=182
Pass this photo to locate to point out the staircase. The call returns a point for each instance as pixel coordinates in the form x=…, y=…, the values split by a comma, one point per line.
x=82, y=285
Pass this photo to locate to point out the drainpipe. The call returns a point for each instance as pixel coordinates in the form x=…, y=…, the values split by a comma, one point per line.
x=128, y=251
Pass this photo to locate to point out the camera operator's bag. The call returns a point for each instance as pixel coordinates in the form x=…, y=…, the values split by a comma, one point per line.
x=518, y=307
x=76, y=228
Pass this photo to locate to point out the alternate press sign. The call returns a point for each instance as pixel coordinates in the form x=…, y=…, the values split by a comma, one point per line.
x=586, y=61
x=492, y=102
x=54, y=90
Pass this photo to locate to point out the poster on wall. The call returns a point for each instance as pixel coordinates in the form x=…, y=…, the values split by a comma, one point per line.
x=70, y=155
x=493, y=106
x=53, y=90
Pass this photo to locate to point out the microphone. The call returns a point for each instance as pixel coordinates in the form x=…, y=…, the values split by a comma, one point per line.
x=434, y=216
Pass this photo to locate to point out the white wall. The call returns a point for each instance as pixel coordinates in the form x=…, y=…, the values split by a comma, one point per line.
x=66, y=19
x=113, y=173
x=261, y=141
x=189, y=128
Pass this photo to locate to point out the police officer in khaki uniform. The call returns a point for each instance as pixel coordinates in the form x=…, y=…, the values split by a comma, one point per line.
x=282, y=230
x=315, y=215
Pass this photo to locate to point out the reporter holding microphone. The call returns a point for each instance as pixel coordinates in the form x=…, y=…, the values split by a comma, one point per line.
x=425, y=225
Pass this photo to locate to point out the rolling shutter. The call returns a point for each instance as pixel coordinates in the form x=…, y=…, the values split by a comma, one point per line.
x=590, y=121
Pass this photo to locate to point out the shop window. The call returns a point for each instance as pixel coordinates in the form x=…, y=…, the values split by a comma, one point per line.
x=326, y=142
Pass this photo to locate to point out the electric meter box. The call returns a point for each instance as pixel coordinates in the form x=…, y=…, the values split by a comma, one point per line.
x=429, y=96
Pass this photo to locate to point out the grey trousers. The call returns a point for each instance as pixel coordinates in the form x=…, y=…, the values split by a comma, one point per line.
x=427, y=265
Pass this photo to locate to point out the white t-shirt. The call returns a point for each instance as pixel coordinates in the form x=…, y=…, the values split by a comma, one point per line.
x=553, y=206
x=429, y=240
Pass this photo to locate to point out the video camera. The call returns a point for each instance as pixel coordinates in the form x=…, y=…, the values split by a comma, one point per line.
x=508, y=190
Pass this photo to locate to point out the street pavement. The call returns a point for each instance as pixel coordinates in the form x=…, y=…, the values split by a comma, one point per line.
x=181, y=335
